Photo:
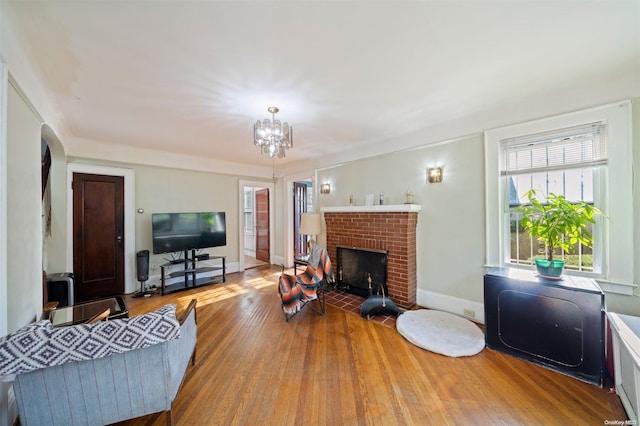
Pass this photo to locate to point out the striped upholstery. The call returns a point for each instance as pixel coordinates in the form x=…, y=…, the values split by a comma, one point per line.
x=296, y=290
x=109, y=389
x=290, y=293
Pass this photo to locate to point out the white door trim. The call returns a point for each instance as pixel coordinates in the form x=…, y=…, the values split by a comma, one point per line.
x=8, y=409
x=4, y=79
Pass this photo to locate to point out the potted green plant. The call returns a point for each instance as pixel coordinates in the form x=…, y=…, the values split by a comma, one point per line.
x=557, y=223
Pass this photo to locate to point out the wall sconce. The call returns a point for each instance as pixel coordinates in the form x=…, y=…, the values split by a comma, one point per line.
x=434, y=174
x=325, y=188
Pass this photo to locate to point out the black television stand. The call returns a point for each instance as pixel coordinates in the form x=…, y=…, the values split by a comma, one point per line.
x=190, y=272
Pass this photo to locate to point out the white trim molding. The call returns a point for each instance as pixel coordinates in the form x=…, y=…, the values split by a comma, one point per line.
x=617, y=288
x=8, y=408
x=4, y=79
x=374, y=209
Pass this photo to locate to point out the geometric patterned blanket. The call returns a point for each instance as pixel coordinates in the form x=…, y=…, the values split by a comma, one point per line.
x=40, y=345
x=296, y=290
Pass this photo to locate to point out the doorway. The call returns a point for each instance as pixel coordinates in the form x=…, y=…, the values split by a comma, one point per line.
x=130, y=282
x=291, y=228
x=262, y=225
x=302, y=203
x=256, y=227
x=98, y=229
x=256, y=224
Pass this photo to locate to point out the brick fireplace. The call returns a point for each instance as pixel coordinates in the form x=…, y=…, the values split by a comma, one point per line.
x=391, y=228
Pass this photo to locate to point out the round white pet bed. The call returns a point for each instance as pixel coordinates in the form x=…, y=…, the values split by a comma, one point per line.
x=441, y=332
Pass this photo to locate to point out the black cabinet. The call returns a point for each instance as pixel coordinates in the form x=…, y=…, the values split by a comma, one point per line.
x=556, y=324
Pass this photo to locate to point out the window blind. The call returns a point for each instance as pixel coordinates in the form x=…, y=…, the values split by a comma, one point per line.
x=561, y=149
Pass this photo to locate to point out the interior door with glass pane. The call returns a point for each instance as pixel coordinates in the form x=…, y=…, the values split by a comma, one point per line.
x=262, y=225
x=299, y=207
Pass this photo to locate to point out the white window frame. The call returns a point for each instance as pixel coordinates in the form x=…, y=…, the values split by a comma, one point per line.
x=595, y=162
x=249, y=216
x=617, y=190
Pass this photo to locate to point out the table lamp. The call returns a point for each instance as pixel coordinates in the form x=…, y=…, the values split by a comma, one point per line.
x=310, y=224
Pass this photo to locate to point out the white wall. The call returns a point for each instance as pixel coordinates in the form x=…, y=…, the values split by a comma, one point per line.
x=24, y=210
x=450, y=231
x=163, y=190
x=280, y=199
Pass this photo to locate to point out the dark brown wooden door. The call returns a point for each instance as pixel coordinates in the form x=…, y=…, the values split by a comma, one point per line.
x=299, y=207
x=262, y=225
x=98, y=235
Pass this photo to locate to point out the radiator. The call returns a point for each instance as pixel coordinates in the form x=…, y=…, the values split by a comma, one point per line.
x=626, y=361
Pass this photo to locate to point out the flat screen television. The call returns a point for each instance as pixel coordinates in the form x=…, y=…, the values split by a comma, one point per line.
x=172, y=232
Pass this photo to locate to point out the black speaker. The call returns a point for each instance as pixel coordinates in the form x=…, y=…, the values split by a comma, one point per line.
x=142, y=265
x=142, y=269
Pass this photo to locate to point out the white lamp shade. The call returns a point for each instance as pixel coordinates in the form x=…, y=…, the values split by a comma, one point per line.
x=310, y=224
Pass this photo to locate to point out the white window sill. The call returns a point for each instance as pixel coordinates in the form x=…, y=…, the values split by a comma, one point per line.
x=606, y=286
x=617, y=288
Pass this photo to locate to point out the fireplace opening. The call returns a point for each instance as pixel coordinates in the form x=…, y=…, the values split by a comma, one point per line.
x=357, y=265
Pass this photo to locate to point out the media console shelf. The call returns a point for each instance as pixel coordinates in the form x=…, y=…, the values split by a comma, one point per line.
x=190, y=273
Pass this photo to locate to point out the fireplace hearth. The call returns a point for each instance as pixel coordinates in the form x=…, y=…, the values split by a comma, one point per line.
x=362, y=271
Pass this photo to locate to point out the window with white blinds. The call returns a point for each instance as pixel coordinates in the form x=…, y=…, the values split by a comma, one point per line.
x=574, y=147
x=585, y=155
x=563, y=162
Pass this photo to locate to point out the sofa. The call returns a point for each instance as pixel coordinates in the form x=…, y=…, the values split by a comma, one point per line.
x=102, y=373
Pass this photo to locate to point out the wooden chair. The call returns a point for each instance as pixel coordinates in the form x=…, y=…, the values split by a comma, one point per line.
x=191, y=306
x=183, y=317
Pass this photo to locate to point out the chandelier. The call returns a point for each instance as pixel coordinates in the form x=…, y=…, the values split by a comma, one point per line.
x=272, y=136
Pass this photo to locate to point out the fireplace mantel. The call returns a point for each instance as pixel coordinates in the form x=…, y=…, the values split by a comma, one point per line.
x=374, y=209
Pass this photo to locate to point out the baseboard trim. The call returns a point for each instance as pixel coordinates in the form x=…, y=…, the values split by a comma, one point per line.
x=454, y=305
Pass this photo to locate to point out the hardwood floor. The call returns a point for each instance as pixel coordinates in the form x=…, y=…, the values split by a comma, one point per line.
x=255, y=368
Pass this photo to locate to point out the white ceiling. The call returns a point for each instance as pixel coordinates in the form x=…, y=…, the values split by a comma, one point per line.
x=192, y=77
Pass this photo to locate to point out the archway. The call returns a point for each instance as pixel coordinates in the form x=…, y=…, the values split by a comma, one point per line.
x=54, y=226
